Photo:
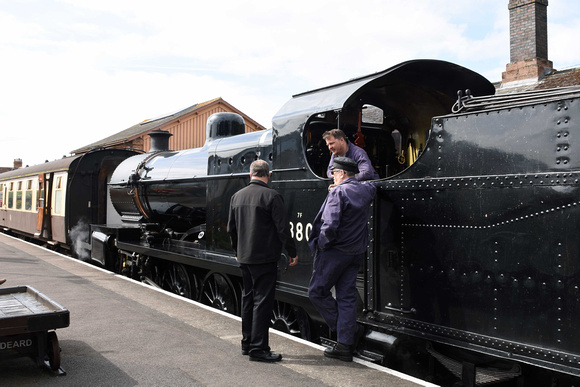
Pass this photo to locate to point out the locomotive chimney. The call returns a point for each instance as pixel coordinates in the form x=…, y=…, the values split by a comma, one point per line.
x=159, y=140
x=224, y=124
x=528, y=42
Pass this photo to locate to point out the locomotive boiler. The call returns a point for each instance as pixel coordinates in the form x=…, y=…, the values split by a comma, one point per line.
x=172, y=207
x=169, y=187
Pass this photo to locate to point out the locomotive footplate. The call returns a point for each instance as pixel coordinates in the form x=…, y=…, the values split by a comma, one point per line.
x=181, y=252
x=27, y=322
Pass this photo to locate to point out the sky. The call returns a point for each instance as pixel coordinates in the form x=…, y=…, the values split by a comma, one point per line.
x=75, y=71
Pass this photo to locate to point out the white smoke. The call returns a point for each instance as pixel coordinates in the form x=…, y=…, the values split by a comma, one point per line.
x=79, y=236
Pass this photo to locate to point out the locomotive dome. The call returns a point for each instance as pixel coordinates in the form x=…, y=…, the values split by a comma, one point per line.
x=224, y=124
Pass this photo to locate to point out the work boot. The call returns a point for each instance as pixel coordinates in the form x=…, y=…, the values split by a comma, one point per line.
x=339, y=351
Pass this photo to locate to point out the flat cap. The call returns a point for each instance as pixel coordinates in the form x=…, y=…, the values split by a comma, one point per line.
x=344, y=163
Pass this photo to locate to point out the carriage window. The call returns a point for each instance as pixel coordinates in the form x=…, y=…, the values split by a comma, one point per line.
x=28, y=201
x=18, y=205
x=11, y=196
x=58, y=202
x=58, y=196
x=40, y=195
x=1, y=195
x=28, y=196
x=18, y=200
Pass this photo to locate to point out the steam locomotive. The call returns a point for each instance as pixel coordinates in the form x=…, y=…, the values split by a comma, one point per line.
x=472, y=271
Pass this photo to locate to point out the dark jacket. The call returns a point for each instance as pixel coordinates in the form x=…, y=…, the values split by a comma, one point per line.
x=258, y=224
x=341, y=223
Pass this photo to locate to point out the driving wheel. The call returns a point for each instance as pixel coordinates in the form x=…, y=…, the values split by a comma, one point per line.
x=176, y=280
x=219, y=293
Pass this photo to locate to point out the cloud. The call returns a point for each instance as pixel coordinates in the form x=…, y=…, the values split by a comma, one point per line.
x=75, y=71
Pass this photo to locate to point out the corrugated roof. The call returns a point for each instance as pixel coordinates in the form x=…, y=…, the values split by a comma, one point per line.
x=151, y=124
x=140, y=128
x=49, y=166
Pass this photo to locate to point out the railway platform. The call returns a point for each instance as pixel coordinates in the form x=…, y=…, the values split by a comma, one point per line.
x=124, y=333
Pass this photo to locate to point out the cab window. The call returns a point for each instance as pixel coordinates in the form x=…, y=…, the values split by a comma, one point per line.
x=366, y=127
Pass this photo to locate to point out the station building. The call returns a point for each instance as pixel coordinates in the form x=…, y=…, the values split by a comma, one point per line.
x=187, y=126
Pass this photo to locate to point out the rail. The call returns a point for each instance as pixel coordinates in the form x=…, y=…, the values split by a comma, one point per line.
x=467, y=102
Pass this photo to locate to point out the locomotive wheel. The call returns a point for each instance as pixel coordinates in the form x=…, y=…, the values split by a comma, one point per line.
x=291, y=320
x=218, y=292
x=176, y=280
x=53, y=351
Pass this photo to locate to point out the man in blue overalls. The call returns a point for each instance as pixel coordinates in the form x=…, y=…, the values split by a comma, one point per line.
x=338, y=241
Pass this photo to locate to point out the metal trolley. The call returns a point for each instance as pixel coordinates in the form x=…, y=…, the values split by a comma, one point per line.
x=27, y=322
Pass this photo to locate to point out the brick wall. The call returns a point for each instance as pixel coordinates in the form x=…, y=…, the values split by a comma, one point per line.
x=528, y=29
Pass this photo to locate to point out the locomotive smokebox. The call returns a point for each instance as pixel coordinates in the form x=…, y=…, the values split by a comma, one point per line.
x=224, y=124
x=159, y=140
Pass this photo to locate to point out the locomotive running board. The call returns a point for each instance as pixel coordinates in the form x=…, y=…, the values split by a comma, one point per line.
x=472, y=374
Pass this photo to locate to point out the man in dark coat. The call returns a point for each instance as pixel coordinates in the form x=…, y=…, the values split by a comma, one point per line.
x=338, y=241
x=258, y=226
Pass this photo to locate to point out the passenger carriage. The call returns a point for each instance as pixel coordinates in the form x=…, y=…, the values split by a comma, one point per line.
x=56, y=201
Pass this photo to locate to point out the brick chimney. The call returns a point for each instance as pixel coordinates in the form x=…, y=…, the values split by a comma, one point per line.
x=528, y=42
x=17, y=163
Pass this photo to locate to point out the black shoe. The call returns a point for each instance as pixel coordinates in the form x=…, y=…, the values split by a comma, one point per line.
x=339, y=351
x=245, y=343
x=2, y=281
x=265, y=356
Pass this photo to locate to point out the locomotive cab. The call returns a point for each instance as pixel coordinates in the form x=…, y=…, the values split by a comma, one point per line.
x=388, y=114
x=371, y=129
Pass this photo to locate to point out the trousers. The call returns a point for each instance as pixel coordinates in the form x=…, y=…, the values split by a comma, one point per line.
x=334, y=269
x=259, y=283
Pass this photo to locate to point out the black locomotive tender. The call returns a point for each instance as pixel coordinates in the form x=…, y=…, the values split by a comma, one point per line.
x=474, y=255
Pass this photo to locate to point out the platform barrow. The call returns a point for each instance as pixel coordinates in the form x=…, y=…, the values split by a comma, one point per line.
x=28, y=319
